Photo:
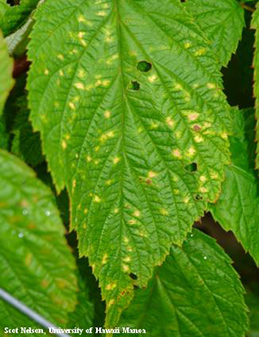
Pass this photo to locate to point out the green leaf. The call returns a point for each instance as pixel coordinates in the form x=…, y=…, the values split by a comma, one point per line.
x=3, y=134
x=195, y=293
x=136, y=131
x=255, y=25
x=84, y=313
x=6, y=68
x=36, y=265
x=26, y=143
x=252, y=301
x=238, y=206
x=90, y=310
x=13, y=17
x=222, y=21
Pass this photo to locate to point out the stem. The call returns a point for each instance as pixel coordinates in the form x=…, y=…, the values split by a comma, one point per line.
x=248, y=8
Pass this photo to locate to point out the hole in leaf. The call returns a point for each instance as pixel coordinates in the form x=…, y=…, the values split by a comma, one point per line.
x=13, y=2
x=144, y=66
x=198, y=197
x=134, y=85
x=133, y=276
x=191, y=167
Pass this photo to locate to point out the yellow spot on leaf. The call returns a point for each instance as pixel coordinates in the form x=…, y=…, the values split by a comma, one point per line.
x=200, y=52
x=163, y=211
x=81, y=35
x=79, y=85
x=97, y=199
x=178, y=86
x=28, y=259
x=152, y=78
x=198, y=139
x=74, y=183
x=191, y=151
x=81, y=73
x=111, y=286
x=125, y=268
x=101, y=13
x=193, y=116
x=177, y=153
x=136, y=213
x=111, y=302
x=203, y=189
x=224, y=135
x=104, y=259
x=72, y=105
x=211, y=86
x=116, y=160
x=64, y=145
x=107, y=114
x=125, y=239
x=169, y=121
x=152, y=174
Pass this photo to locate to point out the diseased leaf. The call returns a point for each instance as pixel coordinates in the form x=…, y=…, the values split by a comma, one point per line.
x=6, y=67
x=36, y=265
x=222, y=21
x=195, y=293
x=238, y=206
x=13, y=17
x=136, y=131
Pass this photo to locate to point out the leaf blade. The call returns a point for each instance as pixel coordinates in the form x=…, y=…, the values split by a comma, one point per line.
x=222, y=22
x=172, y=304
x=238, y=206
x=121, y=137
x=13, y=17
x=6, y=66
x=36, y=264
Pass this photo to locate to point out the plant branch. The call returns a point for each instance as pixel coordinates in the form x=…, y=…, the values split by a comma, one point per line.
x=248, y=8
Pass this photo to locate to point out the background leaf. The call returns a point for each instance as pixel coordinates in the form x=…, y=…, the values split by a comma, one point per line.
x=137, y=132
x=195, y=293
x=36, y=265
x=13, y=17
x=238, y=206
x=6, y=68
x=222, y=21
x=26, y=143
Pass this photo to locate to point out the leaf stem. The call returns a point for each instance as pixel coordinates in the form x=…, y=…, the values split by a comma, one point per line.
x=248, y=8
